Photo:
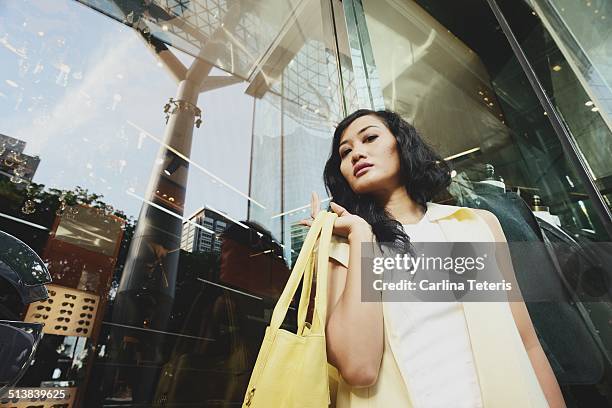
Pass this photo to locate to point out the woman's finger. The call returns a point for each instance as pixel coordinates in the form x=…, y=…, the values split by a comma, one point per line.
x=314, y=204
x=338, y=209
x=307, y=223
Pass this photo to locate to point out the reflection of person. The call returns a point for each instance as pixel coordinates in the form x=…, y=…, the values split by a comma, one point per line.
x=252, y=260
x=382, y=176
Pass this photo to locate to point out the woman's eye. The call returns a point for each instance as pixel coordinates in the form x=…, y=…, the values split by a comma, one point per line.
x=370, y=138
x=344, y=153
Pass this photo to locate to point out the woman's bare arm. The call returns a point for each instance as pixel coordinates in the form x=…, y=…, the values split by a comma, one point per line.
x=354, y=329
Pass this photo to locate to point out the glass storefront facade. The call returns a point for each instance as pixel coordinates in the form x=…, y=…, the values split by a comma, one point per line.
x=450, y=70
x=157, y=155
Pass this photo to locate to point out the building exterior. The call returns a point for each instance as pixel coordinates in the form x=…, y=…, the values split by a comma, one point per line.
x=144, y=110
x=14, y=163
x=207, y=238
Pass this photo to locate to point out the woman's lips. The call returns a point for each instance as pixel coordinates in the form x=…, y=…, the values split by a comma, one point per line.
x=363, y=170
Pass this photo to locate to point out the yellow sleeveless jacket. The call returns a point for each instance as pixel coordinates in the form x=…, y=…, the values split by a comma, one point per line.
x=506, y=376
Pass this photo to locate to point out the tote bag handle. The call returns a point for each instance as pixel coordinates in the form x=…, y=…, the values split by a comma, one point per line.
x=305, y=297
x=320, y=310
x=322, y=225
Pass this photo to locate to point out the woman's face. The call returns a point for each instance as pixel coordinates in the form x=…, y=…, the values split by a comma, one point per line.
x=369, y=160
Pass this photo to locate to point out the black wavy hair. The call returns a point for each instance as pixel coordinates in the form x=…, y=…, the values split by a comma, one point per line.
x=423, y=172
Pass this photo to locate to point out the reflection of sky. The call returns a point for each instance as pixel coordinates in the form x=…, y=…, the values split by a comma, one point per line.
x=71, y=79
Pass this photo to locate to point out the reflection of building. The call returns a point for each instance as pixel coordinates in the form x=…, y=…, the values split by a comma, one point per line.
x=298, y=235
x=304, y=152
x=83, y=248
x=206, y=239
x=13, y=162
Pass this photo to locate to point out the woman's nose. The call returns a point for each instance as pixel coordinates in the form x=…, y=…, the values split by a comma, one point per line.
x=357, y=155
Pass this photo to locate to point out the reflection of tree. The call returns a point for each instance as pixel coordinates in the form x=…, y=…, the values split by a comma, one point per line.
x=40, y=206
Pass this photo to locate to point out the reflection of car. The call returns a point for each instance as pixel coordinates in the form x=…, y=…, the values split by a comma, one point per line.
x=22, y=270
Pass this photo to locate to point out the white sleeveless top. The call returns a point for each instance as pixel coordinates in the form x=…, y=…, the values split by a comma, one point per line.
x=431, y=344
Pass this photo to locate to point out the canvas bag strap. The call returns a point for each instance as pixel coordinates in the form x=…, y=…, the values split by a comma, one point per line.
x=280, y=310
x=322, y=255
x=320, y=311
x=305, y=297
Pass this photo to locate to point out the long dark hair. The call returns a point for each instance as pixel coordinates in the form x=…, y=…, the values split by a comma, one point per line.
x=423, y=172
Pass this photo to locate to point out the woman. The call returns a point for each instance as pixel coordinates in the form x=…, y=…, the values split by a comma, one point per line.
x=382, y=177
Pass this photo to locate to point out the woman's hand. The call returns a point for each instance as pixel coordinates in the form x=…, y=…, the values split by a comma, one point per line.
x=344, y=224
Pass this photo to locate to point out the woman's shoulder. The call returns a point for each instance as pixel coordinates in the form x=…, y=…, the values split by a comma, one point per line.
x=339, y=246
x=436, y=211
x=467, y=214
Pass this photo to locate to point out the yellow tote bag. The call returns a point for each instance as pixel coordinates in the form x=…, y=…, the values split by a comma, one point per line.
x=291, y=369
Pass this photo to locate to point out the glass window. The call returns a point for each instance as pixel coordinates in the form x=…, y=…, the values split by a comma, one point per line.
x=128, y=146
x=567, y=43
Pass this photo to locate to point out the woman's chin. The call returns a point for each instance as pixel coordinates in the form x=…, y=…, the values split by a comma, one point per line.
x=365, y=185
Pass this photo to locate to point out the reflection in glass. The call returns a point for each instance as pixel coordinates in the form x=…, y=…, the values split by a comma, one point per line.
x=142, y=168
x=19, y=341
x=471, y=101
x=566, y=45
x=23, y=261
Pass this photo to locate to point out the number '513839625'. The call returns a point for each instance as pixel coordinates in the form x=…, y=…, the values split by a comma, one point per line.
x=36, y=393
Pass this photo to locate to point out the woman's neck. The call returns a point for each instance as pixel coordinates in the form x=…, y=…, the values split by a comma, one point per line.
x=402, y=207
